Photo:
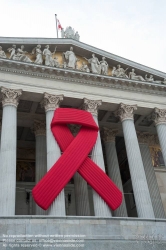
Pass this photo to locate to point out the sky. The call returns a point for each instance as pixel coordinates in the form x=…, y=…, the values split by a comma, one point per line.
x=133, y=29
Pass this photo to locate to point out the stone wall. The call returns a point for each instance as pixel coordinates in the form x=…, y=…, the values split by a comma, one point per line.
x=90, y=233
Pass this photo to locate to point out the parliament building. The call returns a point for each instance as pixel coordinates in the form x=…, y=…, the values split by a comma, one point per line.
x=127, y=100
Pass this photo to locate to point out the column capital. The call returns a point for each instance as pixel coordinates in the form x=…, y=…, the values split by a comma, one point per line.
x=92, y=106
x=159, y=116
x=146, y=138
x=125, y=112
x=39, y=127
x=51, y=102
x=109, y=134
x=10, y=96
x=74, y=129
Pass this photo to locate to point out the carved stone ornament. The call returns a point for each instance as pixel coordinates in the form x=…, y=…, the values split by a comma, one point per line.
x=146, y=138
x=39, y=127
x=159, y=116
x=74, y=128
x=92, y=106
x=125, y=112
x=108, y=134
x=51, y=102
x=10, y=96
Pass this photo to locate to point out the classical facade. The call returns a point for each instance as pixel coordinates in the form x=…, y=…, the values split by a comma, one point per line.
x=126, y=100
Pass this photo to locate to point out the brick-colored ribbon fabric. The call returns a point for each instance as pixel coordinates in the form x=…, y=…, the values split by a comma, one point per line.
x=75, y=158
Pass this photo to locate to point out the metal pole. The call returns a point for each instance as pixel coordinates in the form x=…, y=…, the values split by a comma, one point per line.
x=56, y=25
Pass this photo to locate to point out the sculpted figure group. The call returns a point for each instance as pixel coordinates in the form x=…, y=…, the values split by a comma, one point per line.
x=70, y=61
x=70, y=33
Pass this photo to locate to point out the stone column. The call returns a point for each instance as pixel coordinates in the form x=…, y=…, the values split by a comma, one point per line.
x=51, y=102
x=10, y=100
x=159, y=117
x=113, y=166
x=80, y=187
x=144, y=140
x=100, y=207
x=138, y=178
x=41, y=155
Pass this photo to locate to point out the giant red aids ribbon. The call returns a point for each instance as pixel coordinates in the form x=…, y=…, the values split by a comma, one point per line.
x=75, y=158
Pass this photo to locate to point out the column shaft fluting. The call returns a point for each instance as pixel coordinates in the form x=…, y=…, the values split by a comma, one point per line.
x=152, y=182
x=161, y=131
x=8, y=151
x=100, y=207
x=138, y=178
x=114, y=174
x=81, y=196
x=53, y=154
x=41, y=156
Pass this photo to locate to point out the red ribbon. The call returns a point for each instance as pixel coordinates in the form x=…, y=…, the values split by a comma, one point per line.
x=75, y=158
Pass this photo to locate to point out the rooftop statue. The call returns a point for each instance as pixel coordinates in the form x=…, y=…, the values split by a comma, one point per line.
x=12, y=51
x=70, y=33
x=49, y=61
x=120, y=72
x=38, y=52
x=133, y=76
x=95, y=64
x=2, y=53
x=20, y=56
x=77, y=36
x=151, y=79
x=70, y=58
x=85, y=68
x=104, y=66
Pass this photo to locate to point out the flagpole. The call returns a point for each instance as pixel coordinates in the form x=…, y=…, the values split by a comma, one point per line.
x=56, y=25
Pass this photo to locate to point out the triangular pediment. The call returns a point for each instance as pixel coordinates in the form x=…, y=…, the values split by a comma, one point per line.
x=81, y=52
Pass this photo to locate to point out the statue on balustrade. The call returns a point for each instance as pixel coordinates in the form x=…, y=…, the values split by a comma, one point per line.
x=69, y=32
x=133, y=76
x=104, y=66
x=12, y=51
x=151, y=79
x=84, y=68
x=77, y=36
x=95, y=64
x=2, y=53
x=49, y=61
x=39, y=54
x=70, y=58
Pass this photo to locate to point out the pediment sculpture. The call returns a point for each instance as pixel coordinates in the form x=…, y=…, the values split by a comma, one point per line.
x=70, y=61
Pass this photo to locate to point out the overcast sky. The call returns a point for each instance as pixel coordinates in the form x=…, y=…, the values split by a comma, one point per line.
x=133, y=29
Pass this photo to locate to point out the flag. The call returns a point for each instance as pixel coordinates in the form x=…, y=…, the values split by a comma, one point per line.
x=59, y=25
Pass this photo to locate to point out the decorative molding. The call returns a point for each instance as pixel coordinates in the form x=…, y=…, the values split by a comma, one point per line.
x=10, y=96
x=125, y=112
x=79, y=77
x=92, y=106
x=39, y=127
x=51, y=102
x=159, y=116
x=146, y=138
x=109, y=134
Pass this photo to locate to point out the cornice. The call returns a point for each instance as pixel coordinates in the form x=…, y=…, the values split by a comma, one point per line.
x=79, y=77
